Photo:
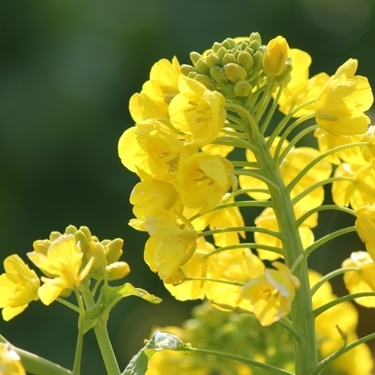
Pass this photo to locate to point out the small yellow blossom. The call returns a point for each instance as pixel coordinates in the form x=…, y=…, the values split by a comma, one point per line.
x=275, y=56
x=362, y=280
x=18, y=287
x=203, y=179
x=327, y=141
x=156, y=93
x=267, y=219
x=301, y=89
x=271, y=295
x=365, y=225
x=62, y=265
x=341, y=105
x=237, y=266
x=197, y=111
x=357, y=187
x=172, y=242
x=10, y=361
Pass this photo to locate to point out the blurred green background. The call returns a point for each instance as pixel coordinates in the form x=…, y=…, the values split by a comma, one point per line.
x=67, y=71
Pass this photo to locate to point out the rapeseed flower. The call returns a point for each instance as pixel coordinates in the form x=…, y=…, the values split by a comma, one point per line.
x=365, y=225
x=18, y=287
x=10, y=361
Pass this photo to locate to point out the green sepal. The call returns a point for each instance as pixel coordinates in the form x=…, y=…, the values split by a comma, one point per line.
x=159, y=341
x=108, y=298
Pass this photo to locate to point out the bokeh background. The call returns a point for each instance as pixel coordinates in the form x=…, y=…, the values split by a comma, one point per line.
x=67, y=71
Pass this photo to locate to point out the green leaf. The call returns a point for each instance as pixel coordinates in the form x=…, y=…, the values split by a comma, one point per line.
x=159, y=341
x=108, y=298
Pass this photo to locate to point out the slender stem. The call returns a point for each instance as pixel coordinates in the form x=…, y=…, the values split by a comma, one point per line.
x=330, y=276
x=328, y=238
x=243, y=245
x=258, y=176
x=220, y=281
x=102, y=337
x=36, y=365
x=247, y=361
x=319, y=310
x=79, y=345
x=325, y=362
x=271, y=112
x=326, y=207
x=242, y=229
x=67, y=304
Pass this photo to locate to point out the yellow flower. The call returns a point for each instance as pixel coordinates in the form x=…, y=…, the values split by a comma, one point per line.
x=327, y=141
x=301, y=89
x=267, y=219
x=362, y=280
x=172, y=242
x=271, y=295
x=18, y=287
x=196, y=266
x=148, y=195
x=275, y=57
x=203, y=179
x=10, y=362
x=156, y=93
x=358, y=190
x=340, y=106
x=62, y=264
x=365, y=225
x=238, y=266
x=197, y=112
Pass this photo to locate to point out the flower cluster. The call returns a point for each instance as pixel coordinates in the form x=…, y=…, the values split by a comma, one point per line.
x=68, y=261
x=206, y=146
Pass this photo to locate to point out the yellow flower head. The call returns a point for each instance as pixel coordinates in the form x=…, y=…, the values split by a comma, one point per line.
x=341, y=105
x=62, y=264
x=358, y=190
x=156, y=93
x=10, y=361
x=237, y=266
x=365, y=225
x=203, y=179
x=275, y=57
x=300, y=88
x=362, y=280
x=172, y=242
x=197, y=112
x=18, y=287
x=271, y=295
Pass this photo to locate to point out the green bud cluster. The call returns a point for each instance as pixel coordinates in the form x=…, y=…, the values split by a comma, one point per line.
x=233, y=67
x=237, y=333
x=106, y=252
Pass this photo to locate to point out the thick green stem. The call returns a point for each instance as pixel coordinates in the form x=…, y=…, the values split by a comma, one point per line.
x=305, y=351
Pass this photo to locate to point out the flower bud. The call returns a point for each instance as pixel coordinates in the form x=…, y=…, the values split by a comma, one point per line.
x=212, y=60
x=114, y=250
x=235, y=72
x=202, y=67
x=117, y=270
x=194, y=57
x=221, y=52
x=186, y=69
x=219, y=76
x=205, y=80
x=228, y=58
x=242, y=88
x=228, y=90
x=275, y=56
x=245, y=60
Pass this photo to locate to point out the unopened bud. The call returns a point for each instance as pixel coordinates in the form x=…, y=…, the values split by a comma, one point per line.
x=219, y=76
x=117, y=270
x=186, y=69
x=221, y=52
x=229, y=43
x=228, y=90
x=255, y=40
x=245, y=60
x=205, y=80
x=212, y=60
x=114, y=250
x=194, y=57
x=235, y=72
x=228, y=58
x=275, y=56
x=202, y=67
x=242, y=88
